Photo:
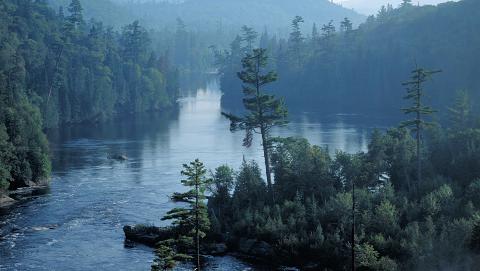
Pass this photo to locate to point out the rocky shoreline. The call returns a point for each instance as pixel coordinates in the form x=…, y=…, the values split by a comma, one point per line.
x=251, y=250
x=9, y=198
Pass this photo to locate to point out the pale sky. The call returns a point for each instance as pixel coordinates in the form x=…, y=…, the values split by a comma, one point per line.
x=372, y=6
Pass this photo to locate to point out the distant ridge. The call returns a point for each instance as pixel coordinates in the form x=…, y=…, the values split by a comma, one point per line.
x=216, y=14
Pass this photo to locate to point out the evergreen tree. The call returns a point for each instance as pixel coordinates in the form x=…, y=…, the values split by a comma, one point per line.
x=264, y=110
x=191, y=221
x=135, y=42
x=460, y=111
x=328, y=30
x=76, y=16
x=249, y=37
x=315, y=34
x=295, y=41
x=346, y=25
x=415, y=93
x=406, y=3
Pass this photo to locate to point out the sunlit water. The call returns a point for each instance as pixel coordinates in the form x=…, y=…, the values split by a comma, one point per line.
x=77, y=223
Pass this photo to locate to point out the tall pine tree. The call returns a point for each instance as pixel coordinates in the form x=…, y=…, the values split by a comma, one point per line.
x=415, y=93
x=264, y=110
x=191, y=221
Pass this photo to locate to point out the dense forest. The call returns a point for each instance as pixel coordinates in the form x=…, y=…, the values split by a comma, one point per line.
x=58, y=69
x=410, y=202
x=185, y=31
x=337, y=68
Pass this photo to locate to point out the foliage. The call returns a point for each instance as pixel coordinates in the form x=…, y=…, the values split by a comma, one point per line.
x=57, y=69
x=264, y=111
x=191, y=222
x=396, y=229
x=358, y=70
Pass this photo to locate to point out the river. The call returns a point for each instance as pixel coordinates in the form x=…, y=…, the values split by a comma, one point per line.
x=76, y=224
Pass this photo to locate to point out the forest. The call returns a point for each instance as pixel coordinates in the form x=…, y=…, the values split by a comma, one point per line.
x=111, y=106
x=407, y=203
x=58, y=69
x=336, y=67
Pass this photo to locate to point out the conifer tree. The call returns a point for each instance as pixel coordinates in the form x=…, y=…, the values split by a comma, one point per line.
x=415, y=93
x=249, y=36
x=315, y=34
x=346, y=25
x=296, y=40
x=406, y=3
x=460, y=111
x=264, y=110
x=76, y=16
x=191, y=221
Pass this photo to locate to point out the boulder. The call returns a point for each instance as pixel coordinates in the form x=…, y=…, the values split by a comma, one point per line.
x=262, y=249
x=118, y=157
x=255, y=248
x=148, y=235
x=214, y=249
x=6, y=201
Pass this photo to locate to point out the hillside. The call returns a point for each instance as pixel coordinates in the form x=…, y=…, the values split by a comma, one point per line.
x=361, y=70
x=217, y=14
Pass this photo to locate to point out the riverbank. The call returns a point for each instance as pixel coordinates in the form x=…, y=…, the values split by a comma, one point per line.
x=250, y=250
x=10, y=197
x=6, y=201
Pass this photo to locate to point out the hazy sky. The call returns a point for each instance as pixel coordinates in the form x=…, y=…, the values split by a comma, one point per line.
x=372, y=6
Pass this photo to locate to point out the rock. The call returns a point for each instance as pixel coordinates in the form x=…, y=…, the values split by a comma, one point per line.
x=214, y=249
x=245, y=245
x=118, y=157
x=148, y=235
x=220, y=249
x=262, y=249
x=255, y=248
x=6, y=201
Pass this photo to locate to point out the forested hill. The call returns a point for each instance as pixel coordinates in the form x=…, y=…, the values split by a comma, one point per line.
x=338, y=68
x=57, y=68
x=221, y=15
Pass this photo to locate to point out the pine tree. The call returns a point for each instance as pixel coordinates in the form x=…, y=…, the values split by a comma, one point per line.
x=346, y=25
x=135, y=42
x=295, y=41
x=460, y=111
x=76, y=17
x=315, y=34
x=415, y=93
x=265, y=111
x=249, y=36
x=406, y=3
x=382, y=14
x=328, y=30
x=191, y=221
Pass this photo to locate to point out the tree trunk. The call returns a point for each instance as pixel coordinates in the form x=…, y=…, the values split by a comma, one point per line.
x=267, y=164
x=353, y=225
x=197, y=236
x=419, y=126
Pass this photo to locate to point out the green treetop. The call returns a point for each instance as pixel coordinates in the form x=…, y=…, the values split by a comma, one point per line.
x=264, y=110
x=191, y=221
x=416, y=93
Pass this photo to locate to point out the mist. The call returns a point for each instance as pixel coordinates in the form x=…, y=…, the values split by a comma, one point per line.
x=370, y=7
x=239, y=135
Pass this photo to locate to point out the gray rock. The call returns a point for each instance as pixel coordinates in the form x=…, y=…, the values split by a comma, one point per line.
x=148, y=235
x=118, y=157
x=256, y=248
x=219, y=249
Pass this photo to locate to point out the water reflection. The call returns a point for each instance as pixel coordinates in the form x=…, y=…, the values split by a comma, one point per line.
x=92, y=197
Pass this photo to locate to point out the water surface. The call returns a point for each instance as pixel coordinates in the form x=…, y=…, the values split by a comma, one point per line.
x=77, y=224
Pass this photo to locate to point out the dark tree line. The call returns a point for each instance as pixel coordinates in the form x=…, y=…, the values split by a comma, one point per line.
x=58, y=69
x=338, y=68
